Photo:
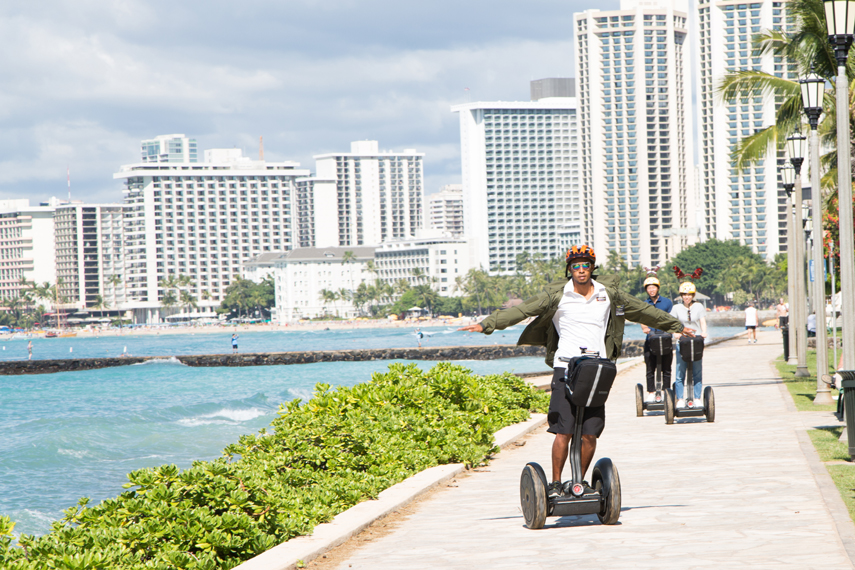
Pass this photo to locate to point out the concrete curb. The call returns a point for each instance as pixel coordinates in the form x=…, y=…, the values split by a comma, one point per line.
x=354, y=520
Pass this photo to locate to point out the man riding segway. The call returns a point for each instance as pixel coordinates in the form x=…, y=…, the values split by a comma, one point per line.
x=575, y=314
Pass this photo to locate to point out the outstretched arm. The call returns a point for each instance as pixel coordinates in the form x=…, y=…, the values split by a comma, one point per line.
x=638, y=311
x=504, y=318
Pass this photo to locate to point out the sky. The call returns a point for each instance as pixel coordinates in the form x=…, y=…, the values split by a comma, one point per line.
x=84, y=81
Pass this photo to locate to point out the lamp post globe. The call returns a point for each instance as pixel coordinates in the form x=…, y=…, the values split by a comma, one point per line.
x=796, y=147
x=840, y=25
x=788, y=178
x=813, y=91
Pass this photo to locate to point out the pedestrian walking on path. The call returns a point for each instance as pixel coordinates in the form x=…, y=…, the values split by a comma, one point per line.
x=751, y=322
x=573, y=314
x=30, y=350
x=234, y=343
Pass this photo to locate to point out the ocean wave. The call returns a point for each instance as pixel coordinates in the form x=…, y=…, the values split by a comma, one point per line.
x=224, y=416
x=77, y=454
x=170, y=360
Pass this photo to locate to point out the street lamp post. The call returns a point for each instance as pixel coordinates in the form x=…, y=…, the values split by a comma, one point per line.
x=840, y=23
x=813, y=91
x=788, y=179
x=798, y=308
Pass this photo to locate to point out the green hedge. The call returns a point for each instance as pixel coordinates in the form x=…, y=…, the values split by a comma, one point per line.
x=318, y=459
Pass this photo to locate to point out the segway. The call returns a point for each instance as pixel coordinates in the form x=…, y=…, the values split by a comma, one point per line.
x=588, y=382
x=661, y=346
x=691, y=350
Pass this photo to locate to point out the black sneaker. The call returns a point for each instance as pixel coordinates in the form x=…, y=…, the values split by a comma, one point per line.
x=554, y=489
x=587, y=490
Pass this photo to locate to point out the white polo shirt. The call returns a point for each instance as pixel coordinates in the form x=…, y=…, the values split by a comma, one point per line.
x=581, y=322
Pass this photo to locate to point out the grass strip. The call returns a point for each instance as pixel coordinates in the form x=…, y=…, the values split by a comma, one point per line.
x=803, y=390
x=316, y=460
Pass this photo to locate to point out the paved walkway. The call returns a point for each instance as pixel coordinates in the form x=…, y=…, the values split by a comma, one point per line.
x=737, y=493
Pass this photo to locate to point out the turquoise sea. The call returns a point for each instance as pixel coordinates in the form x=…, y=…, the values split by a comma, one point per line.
x=78, y=434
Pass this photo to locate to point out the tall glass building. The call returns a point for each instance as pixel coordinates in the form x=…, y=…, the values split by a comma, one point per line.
x=520, y=176
x=634, y=94
x=748, y=206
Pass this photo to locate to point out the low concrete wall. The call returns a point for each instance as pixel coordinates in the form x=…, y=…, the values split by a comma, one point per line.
x=17, y=367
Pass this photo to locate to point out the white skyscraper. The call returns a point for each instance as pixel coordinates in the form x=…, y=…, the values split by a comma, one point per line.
x=521, y=191
x=26, y=245
x=747, y=206
x=169, y=148
x=445, y=210
x=89, y=240
x=634, y=87
x=202, y=220
x=363, y=197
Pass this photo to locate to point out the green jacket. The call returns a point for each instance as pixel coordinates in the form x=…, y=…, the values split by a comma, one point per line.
x=541, y=331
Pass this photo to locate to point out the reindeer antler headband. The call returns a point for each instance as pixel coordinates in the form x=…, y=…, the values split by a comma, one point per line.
x=694, y=275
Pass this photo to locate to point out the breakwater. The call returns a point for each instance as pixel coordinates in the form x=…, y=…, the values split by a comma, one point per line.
x=18, y=367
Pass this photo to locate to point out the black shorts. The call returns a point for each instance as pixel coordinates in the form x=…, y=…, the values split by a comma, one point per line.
x=750, y=327
x=234, y=347
x=561, y=418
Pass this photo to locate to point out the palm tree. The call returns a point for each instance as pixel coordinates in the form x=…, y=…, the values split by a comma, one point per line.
x=327, y=296
x=348, y=258
x=114, y=281
x=808, y=47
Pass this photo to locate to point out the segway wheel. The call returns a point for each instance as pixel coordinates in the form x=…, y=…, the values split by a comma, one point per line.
x=606, y=481
x=639, y=400
x=533, y=495
x=709, y=404
x=669, y=406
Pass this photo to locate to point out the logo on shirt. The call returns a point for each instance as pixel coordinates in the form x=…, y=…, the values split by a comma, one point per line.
x=601, y=297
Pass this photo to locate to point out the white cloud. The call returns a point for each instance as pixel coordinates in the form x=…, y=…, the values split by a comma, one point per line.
x=86, y=80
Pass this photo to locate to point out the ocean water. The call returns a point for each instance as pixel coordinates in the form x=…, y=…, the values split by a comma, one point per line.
x=78, y=434
x=168, y=344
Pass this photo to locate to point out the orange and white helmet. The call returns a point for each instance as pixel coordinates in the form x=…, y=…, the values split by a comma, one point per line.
x=580, y=252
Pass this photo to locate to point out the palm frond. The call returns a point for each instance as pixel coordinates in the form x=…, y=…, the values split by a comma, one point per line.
x=749, y=82
x=753, y=148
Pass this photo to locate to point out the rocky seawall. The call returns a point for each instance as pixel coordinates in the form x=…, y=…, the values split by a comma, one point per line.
x=17, y=367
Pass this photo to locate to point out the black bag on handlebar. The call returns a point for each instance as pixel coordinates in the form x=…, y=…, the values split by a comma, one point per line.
x=589, y=380
x=691, y=348
x=661, y=343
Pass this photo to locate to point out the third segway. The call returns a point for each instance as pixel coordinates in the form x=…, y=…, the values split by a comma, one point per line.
x=661, y=347
x=691, y=351
x=588, y=382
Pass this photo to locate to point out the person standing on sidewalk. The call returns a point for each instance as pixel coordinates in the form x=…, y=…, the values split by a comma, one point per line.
x=782, y=311
x=651, y=285
x=574, y=312
x=690, y=314
x=751, y=322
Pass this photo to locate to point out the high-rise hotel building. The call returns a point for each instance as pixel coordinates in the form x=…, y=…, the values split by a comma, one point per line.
x=634, y=91
x=201, y=220
x=521, y=190
x=445, y=210
x=89, y=256
x=363, y=197
x=747, y=206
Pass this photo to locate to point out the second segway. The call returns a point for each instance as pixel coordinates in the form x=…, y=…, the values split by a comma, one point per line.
x=661, y=348
x=588, y=383
x=691, y=351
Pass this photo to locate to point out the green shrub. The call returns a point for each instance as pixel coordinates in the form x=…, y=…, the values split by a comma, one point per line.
x=320, y=458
